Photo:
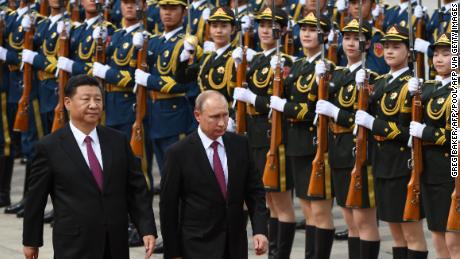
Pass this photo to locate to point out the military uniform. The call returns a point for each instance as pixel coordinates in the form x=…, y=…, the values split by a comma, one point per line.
x=397, y=15
x=116, y=16
x=198, y=24
x=154, y=24
x=437, y=184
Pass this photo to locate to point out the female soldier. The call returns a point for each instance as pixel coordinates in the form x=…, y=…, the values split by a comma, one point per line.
x=390, y=106
x=437, y=183
x=362, y=224
x=298, y=109
x=257, y=97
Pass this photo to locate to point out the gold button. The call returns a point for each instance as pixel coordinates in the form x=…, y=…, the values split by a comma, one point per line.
x=174, y=106
x=295, y=108
x=350, y=119
x=311, y=128
x=125, y=95
x=354, y=140
x=446, y=154
x=386, y=130
x=378, y=144
x=376, y=116
x=402, y=149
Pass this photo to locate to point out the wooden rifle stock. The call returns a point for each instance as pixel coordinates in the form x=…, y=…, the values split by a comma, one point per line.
x=44, y=8
x=289, y=43
x=355, y=190
x=379, y=21
x=453, y=221
x=75, y=16
x=332, y=50
x=21, y=122
x=317, y=177
x=240, y=116
x=272, y=165
x=420, y=57
x=137, y=133
x=63, y=77
x=412, y=206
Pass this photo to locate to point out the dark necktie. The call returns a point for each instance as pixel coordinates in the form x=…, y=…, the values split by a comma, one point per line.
x=94, y=163
x=218, y=169
x=388, y=79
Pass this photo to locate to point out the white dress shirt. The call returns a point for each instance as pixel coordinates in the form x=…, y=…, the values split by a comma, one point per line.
x=168, y=35
x=54, y=19
x=221, y=51
x=80, y=138
x=210, y=151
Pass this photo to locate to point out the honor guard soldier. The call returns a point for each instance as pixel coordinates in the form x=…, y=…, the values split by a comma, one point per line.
x=298, y=107
x=260, y=82
x=214, y=70
x=116, y=17
x=397, y=14
x=374, y=58
x=154, y=24
x=199, y=13
x=435, y=131
x=363, y=237
x=82, y=42
x=169, y=109
x=388, y=119
x=10, y=53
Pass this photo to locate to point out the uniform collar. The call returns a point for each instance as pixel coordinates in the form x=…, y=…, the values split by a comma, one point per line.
x=132, y=28
x=397, y=73
x=21, y=11
x=91, y=21
x=221, y=51
x=197, y=4
x=310, y=60
x=353, y=67
x=54, y=19
x=269, y=52
x=170, y=34
x=242, y=8
x=446, y=81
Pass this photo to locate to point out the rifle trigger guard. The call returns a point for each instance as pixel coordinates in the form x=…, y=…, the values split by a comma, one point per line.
x=353, y=151
x=410, y=163
x=315, y=141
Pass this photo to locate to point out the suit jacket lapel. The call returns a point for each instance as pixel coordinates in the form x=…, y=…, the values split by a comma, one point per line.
x=106, y=151
x=70, y=146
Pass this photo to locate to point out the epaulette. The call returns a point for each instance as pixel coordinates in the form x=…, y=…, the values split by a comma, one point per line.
x=380, y=76
x=393, y=7
x=376, y=30
x=42, y=20
x=374, y=74
x=340, y=68
x=431, y=82
x=284, y=55
x=119, y=29
x=76, y=24
x=406, y=78
x=151, y=2
x=10, y=11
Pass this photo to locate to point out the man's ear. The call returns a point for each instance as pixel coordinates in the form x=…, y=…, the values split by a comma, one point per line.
x=197, y=115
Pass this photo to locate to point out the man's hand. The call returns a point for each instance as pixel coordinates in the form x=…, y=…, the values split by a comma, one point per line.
x=30, y=252
x=149, y=244
x=260, y=244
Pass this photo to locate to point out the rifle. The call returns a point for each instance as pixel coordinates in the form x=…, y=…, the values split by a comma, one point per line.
x=412, y=206
x=332, y=50
x=75, y=16
x=453, y=221
x=108, y=4
x=21, y=122
x=189, y=37
x=419, y=56
x=289, y=40
x=343, y=17
x=137, y=133
x=355, y=189
x=63, y=76
x=318, y=173
x=381, y=17
x=44, y=8
x=100, y=44
x=272, y=165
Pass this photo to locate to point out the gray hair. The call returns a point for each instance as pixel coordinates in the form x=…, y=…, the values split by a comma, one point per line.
x=204, y=96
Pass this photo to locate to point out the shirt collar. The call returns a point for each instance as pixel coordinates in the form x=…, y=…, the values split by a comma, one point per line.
x=132, y=28
x=242, y=8
x=397, y=73
x=354, y=66
x=21, y=11
x=91, y=21
x=446, y=81
x=168, y=35
x=207, y=141
x=197, y=4
x=269, y=52
x=54, y=19
x=448, y=6
x=310, y=60
x=80, y=136
x=220, y=51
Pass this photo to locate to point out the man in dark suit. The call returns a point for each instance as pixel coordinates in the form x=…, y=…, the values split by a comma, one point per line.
x=94, y=182
x=208, y=177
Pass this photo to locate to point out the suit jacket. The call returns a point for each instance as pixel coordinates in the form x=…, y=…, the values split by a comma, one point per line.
x=85, y=217
x=196, y=220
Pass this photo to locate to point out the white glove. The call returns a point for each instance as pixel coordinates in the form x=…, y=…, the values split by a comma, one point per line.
x=341, y=5
x=209, y=46
x=376, y=11
x=61, y=25
x=100, y=33
x=3, y=52
x=28, y=56
x=26, y=22
x=419, y=11
x=302, y=2
x=277, y=103
x=320, y=68
x=331, y=36
x=274, y=62
x=244, y=95
x=250, y=53
x=141, y=77
x=360, y=77
x=421, y=45
x=326, y=108
x=231, y=126
x=246, y=23
x=184, y=55
x=413, y=85
x=65, y=64
x=138, y=40
x=237, y=55
x=205, y=14
x=100, y=70
x=416, y=129
x=364, y=119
